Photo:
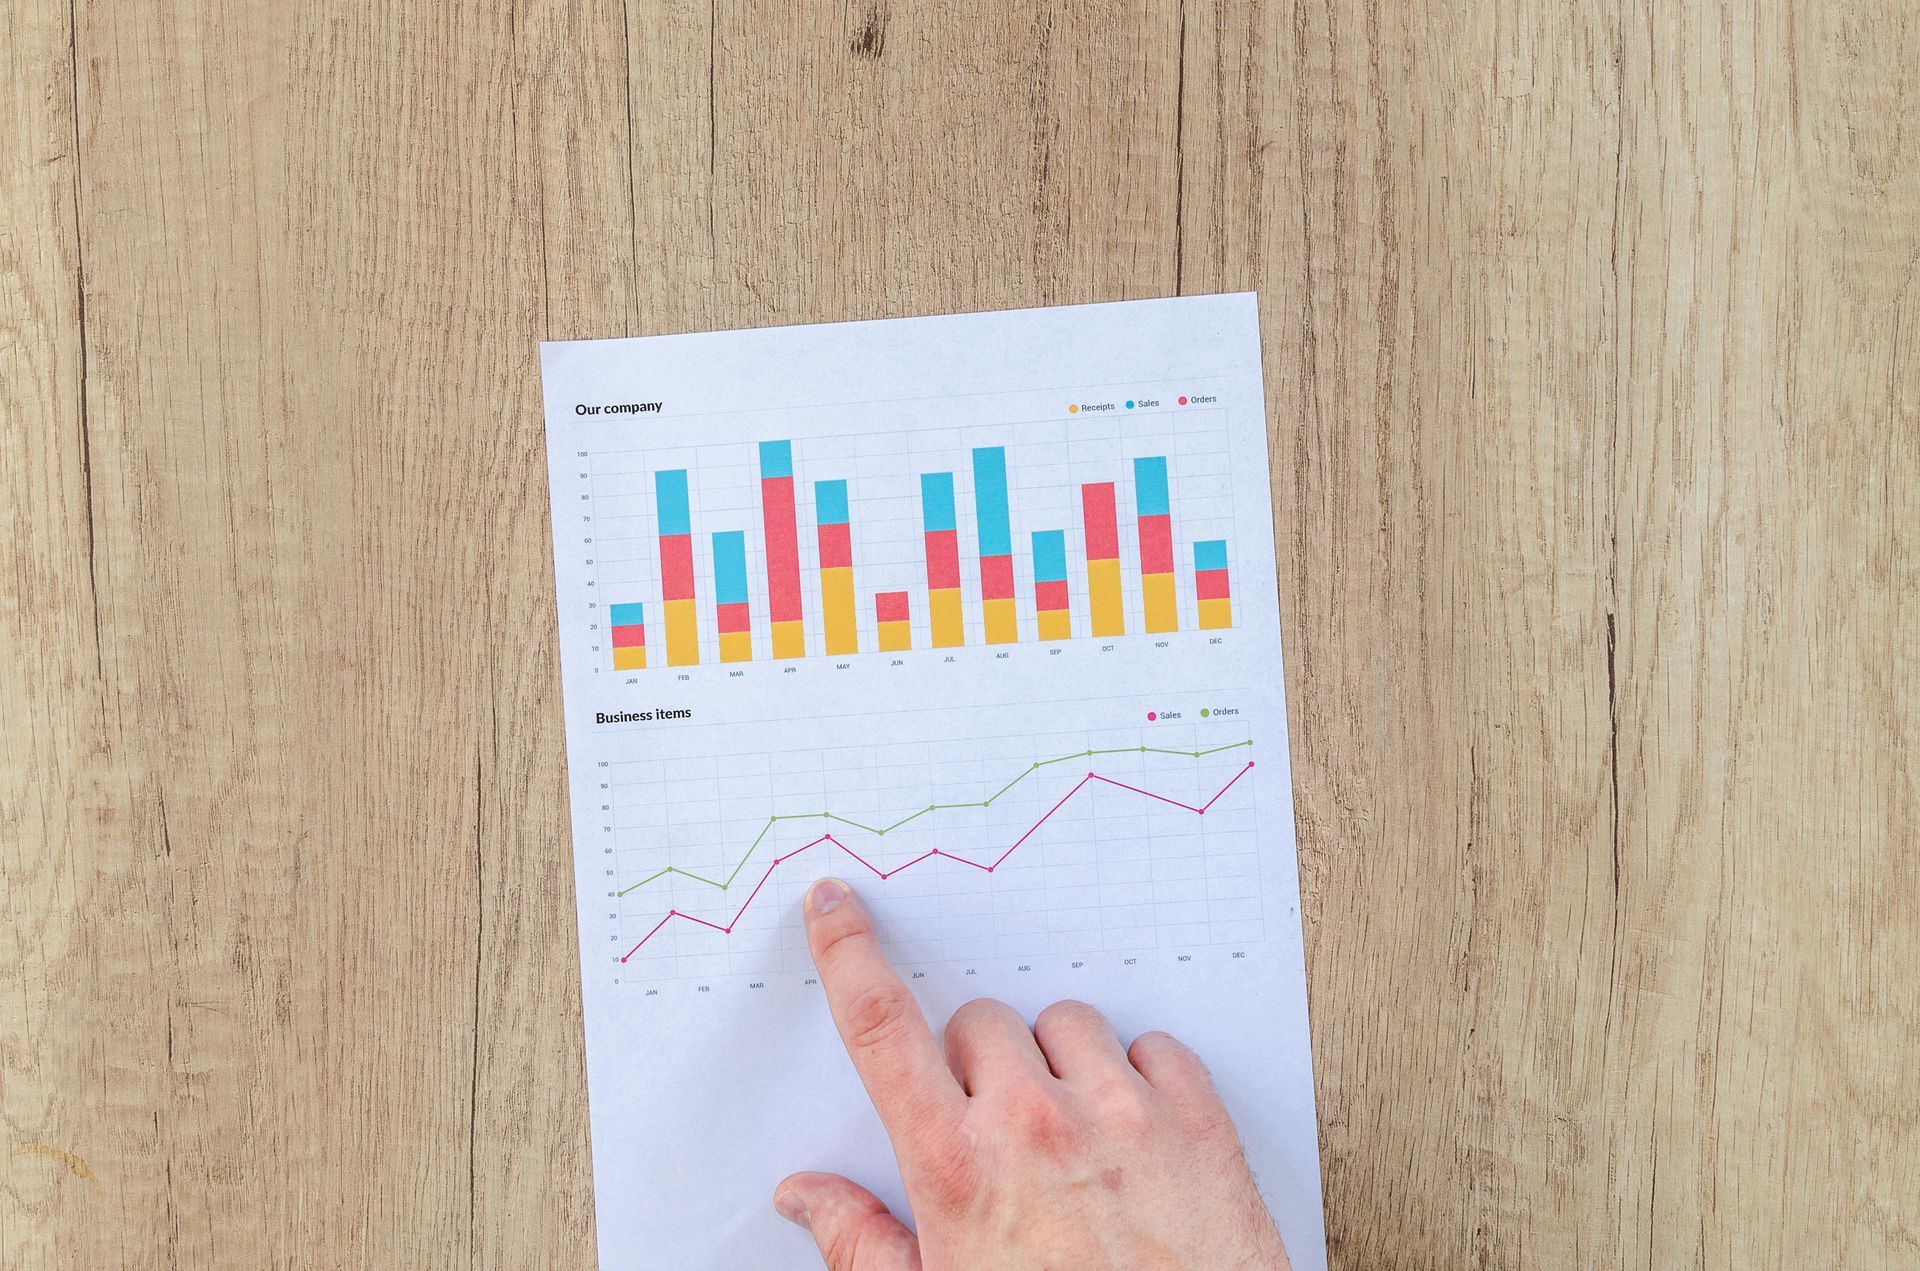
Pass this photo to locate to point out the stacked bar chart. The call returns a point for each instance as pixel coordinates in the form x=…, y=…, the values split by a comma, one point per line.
x=995, y=526
x=1099, y=522
x=1210, y=584
x=730, y=596
x=629, y=636
x=838, y=619
x=1155, y=512
x=676, y=566
x=780, y=519
x=753, y=563
x=892, y=614
x=941, y=528
x=1050, y=608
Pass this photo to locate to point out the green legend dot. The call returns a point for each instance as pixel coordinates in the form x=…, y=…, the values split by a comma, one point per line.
x=1203, y=712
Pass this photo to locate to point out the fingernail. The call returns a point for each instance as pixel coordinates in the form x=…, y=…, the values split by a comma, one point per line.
x=790, y=1206
x=826, y=895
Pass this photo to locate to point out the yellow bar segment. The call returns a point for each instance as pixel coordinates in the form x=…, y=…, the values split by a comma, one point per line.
x=788, y=640
x=1103, y=597
x=943, y=610
x=1216, y=613
x=1002, y=627
x=1055, y=624
x=1156, y=595
x=631, y=658
x=895, y=636
x=736, y=646
x=836, y=608
x=683, y=637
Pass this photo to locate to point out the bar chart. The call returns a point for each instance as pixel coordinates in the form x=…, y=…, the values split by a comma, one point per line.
x=782, y=548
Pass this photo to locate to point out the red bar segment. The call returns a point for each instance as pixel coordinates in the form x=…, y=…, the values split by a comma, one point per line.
x=676, y=567
x=890, y=606
x=1102, y=525
x=943, y=559
x=629, y=637
x=836, y=546
x=733, y=617
x=1156, y=544
x=996, y=578
x=1210, y=584
x=783, y=548
x=1050, y=595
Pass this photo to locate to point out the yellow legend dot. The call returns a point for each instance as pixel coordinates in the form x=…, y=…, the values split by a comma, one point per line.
x=1073, y=410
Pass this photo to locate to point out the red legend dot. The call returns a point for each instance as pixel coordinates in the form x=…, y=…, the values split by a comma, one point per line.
x=1151, y=716
x=1183, y=401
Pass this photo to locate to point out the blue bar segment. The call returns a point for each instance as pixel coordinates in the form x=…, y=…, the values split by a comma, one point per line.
x=1210, y=554
x=990, y=501
x=936, y=502
x=1049, y=556
x=776, y=459
x=730, y=567
x=670, y=492
x=1150, y=487
x=830, y=502
x=631, y=614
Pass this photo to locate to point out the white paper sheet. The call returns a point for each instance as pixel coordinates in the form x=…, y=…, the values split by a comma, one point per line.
x=1024, y=818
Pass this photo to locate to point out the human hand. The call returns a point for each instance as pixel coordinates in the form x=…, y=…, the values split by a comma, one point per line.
x=1022, y=1148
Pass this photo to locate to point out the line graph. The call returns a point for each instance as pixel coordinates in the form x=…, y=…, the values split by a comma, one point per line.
x=883, y=830
x=1066, y=839
x=941, y=852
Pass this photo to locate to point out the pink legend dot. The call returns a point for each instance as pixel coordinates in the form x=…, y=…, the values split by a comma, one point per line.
x=1151, y=716
x=1183, y=401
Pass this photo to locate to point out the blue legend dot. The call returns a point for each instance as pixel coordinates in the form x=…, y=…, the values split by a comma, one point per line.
x=1129, y=405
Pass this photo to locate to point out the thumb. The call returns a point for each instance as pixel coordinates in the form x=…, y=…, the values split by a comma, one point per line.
x=853, y=1228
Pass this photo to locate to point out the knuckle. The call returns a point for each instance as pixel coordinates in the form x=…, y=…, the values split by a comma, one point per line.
x=876, y=1016
x=973, y=1014
x=1041, y=1121
x=834, y=934
x=1163, y=1049
x=1069, y=1012
x=841, y=1248
x=1157, y=1042
x=1128, y=1108
x=838, y=1247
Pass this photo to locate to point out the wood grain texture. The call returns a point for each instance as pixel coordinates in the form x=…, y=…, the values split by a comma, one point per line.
x=1593, y=355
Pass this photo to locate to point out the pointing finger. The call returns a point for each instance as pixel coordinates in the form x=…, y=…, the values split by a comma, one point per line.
x=886, y=1036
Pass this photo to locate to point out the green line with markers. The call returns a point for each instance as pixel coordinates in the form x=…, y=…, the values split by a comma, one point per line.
x=883, y=830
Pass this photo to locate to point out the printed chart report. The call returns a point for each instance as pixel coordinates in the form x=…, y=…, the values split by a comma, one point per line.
x=977, y=612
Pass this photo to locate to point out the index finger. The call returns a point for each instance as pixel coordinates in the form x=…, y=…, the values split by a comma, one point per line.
x=886, y=1036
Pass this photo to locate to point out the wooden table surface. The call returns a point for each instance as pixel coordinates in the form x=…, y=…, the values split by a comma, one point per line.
x=1593, y=355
